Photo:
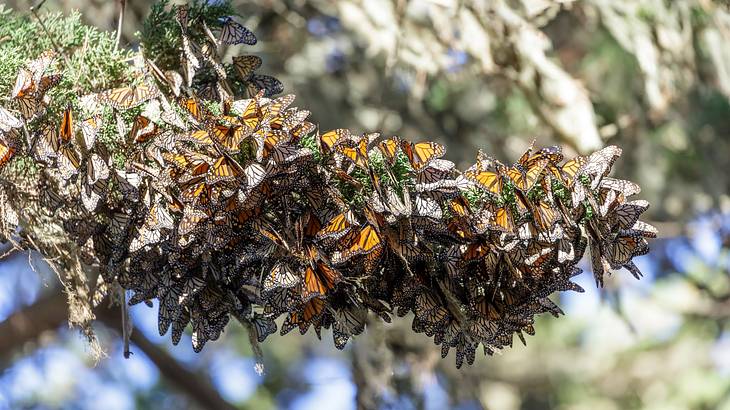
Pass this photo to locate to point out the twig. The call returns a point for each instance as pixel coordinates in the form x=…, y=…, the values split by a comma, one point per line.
x=120, y=22
x=127, y=327
x=33, y=10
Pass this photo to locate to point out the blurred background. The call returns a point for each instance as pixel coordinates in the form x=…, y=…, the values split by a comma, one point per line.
x=651, y=76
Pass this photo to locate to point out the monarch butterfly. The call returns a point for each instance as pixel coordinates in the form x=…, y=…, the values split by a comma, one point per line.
x=245, y=65
x=90, y=129
x=30, y=76
x=367, y=241
x=230, y=137
x=251, y=114
x=288, y=153
x=191, y=220
x=331, y=139
x=194, y=107
x=266, y=83
x=6, y=153
x=233, y=32
x=209, y=52
x=145, y=236
x=625, y=247
x=96, y=169
x=66, y=131
x=426, y=206
x=598, y=262
x=46, y=83
x=599, y=163
x=262, y=327
x=421, y=154
x=526, y=173
x=159, y=218
x=568, y=172
x=171, y=78
x=8, y=121
x=501, y=219
x=125, y=98
x=128, y=183
x=275, y=107
x=545, y=216
x=357, y=153
x=389, y=148
x=301, y=130
x=337, y=227
x=118, y=225
x=292, y=118
x=200, y=137
x=31, y=107
x=23, y=83
x=188, y=61
x=490, y=181
x=224, y=169
x=319, y=280
x=215, y=91
x=46, y=143
x=348, y=322
x=91, y=194
x=429, y=310
x=436, y=176
x=281, y=276
x=309, y=313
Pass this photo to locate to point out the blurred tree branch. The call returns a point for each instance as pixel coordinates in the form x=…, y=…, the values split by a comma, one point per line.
x=50, y=312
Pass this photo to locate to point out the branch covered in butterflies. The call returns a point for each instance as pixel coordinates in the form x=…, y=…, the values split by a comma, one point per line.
x=222, y=201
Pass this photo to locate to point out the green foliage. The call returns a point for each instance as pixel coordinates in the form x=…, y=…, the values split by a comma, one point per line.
x=89, y=60
x=160, y=35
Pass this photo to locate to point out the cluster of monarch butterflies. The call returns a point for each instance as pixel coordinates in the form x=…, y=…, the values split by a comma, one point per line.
x=240, y=207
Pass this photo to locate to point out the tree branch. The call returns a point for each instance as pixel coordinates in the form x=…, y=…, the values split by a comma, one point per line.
x=51, y=312
x=29, y=323
x=186, y=381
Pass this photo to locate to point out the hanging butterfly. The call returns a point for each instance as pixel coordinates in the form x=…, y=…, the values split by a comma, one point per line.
x=599, y=163
x=262, y=327
x=319, y=281
x=230, y=137
x=266, y=83
x=492, y=182
x=421, y=154
x=6, y=153
x=356, y=152
x=96, y=169
x=527, y=171
x=30, y=76
x=245, y=65
x=171, y=78
x=143, y=129
x=334, y=138
x=281, y=276
x=233, y=32
x=66, y=130
x=308, y=314
x=224, y=168
x=31, y=107
x=8, y=121
x=90, y=129
x=128, y=97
